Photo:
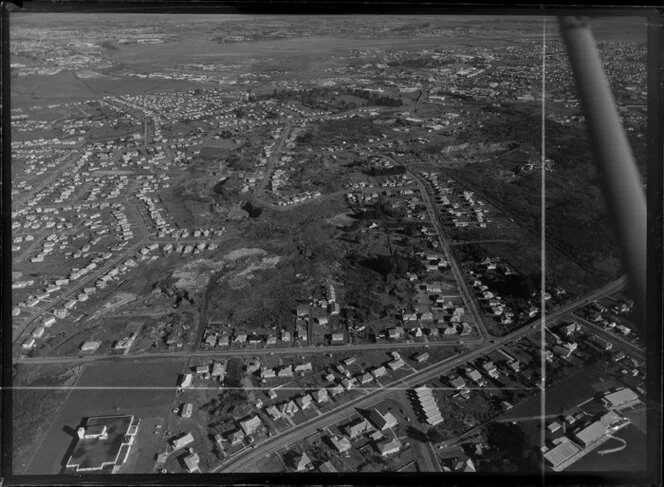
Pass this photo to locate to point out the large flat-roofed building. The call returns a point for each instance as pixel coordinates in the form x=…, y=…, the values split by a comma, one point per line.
x=103, y=444
x=622, y=398
x=591, y=433
x=559, y=454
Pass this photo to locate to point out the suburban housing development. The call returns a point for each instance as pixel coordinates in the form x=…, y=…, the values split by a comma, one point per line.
x=312, y=244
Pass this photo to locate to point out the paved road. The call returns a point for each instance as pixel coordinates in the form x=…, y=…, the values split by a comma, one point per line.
x=245, y=352
x=249, y=459
x=80, y=284
x=610, y=336
x=467, y=294
x=300, y=432
x=495, y=240
x=25, y=196
x=269, y=168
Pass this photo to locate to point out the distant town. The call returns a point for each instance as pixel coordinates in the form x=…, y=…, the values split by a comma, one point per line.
x=292, y=246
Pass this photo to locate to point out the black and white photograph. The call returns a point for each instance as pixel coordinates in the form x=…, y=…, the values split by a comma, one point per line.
x=330, y=244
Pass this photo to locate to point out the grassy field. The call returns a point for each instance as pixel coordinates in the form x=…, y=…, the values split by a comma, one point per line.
x=35, y=409
x=144, y=390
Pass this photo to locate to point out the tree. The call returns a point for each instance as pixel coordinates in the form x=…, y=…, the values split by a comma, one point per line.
x=509, y=445
x=416, y=434
x=435, y=436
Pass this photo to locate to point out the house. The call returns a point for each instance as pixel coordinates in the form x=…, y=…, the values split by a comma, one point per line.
x=235, y=437
x=465, y=466
x=421, y=357
x=322, y=319
x=186, y=380
x=335, y=390
x=382, y=421
x=409, y=316
x=337, y=338
x=601, y=343
x=449, y=330
x=48, y=322
x=90, y=346
x=335, y=309
x=321, y=396
x=330, y=293
x=202, y=370
x=250, y=425
x=267, y=373
x=211, y=340
x=349, y=361
x=623, y=329
x=357, y=427
x=377, y=435
x=618, y=356
x=340, y=443
x=302, y=333
x=569, y=328
x=286, y=371
x=458, y=383
x=274, y=412
x=272, y=394
x=187, y=409
x=285, y=336
x=241, y=338
x=330, y=377
x=396, y=364
x=301, y=368
x=303, y=401
x=217, y=369
x=191, y=462
x=387, y=447
x=394, y=333
x=271, y=340
x=366, y=378
x=289, y=408
x=302, y=463
x=29, y=343
x=564, y=351
x=491, y=369
x=379, y=371
x=327, y=467
x=182, y=441
x=302, y=310
x=219, y=441
x=426, y=316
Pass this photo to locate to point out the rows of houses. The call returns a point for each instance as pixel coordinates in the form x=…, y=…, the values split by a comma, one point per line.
x=461, y=206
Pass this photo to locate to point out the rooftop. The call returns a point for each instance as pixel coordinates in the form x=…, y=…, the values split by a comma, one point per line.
x=97, y=454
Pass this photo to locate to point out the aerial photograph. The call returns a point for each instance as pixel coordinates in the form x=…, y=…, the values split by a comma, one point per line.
x=272, y=243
